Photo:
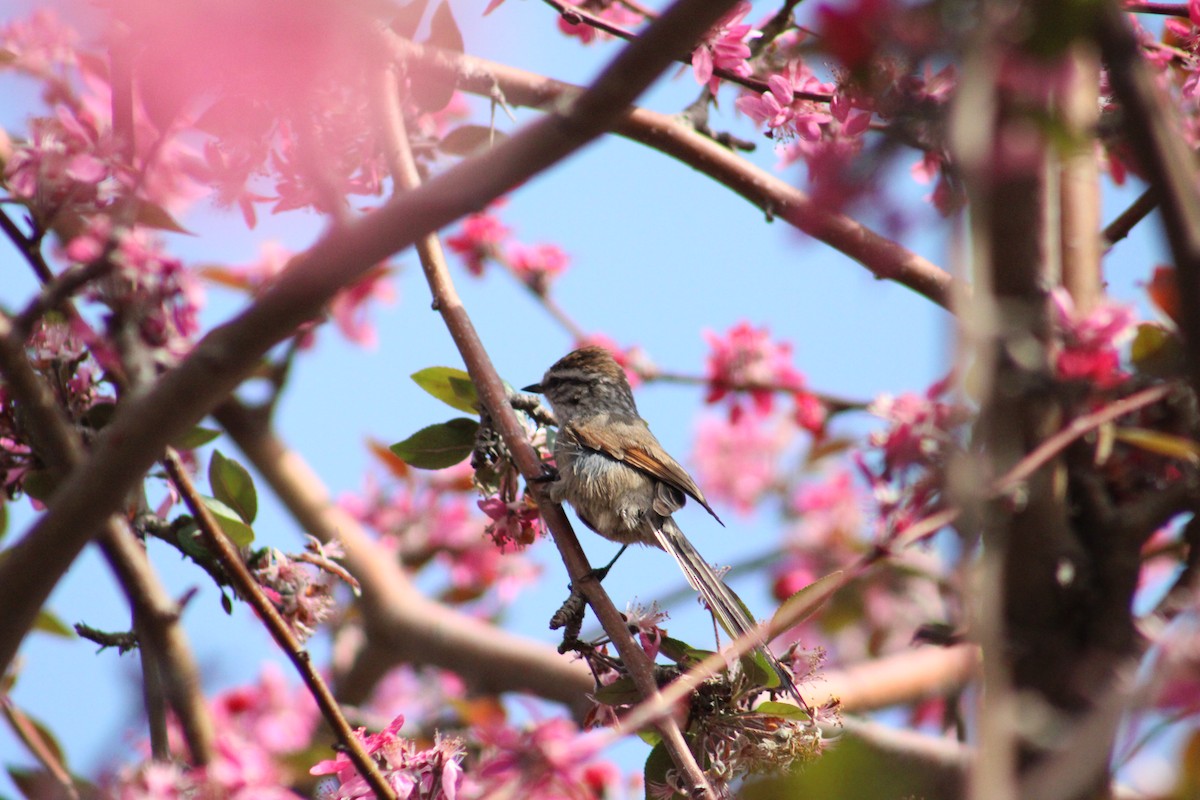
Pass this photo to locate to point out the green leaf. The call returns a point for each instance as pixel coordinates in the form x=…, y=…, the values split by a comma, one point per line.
x=230, y=521
x=620, y=692
x=48, y=622
x=804, y=603
x=430, y=92
x=774, y=708
x=466, y=140
x=438, y=446
x=758, y=669
x=3, y=518
x=658, y=763
x=681, y=652
x=232, y=485
x=196, y=437
x=452, y=386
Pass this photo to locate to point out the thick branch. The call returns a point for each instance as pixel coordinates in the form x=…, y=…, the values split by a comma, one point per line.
x=495, y=400
x=145, y=424
x=885, y=258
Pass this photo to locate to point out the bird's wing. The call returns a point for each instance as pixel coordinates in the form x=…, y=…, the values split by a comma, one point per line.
x=656, y=461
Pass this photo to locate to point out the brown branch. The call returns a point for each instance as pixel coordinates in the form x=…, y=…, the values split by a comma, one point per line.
x=46, y=752
x=883, y=257
x=1155, y=132
x=1162, y=9
x=1079, y=179
x=142, y=426
x=898, y=678
x=494, y=398
x=1138, y=210
x=156, y=613
x=403, y=625
x=215, y=541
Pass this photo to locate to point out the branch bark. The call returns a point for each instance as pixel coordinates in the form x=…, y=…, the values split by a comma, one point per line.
x=143, y=426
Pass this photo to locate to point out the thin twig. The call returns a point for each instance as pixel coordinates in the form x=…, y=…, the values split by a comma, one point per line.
x=45, y=752
x=494, y=398
x=1120, y=227
x=885, y=258
x=214, y=539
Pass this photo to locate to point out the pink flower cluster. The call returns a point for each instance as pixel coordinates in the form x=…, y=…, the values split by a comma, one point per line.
x=1090, y=343
x=259, y=729
x=484, y=238
x=413, y=774
x=724, y=48
x=430, y=521
x=737, y=459
x=746, y=363
x=58, y=353
x=513, y=525
x=549, y=759
x=908, y=470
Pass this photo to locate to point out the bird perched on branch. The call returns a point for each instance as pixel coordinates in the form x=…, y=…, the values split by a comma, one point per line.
x=624, y=485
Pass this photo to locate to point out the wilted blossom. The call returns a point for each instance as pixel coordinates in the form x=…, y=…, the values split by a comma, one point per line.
x=413, y=774
x=302, y=595
x=724, y=48
x=512, y=524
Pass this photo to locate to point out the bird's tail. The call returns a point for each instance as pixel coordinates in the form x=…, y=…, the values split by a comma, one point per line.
x=729, y=610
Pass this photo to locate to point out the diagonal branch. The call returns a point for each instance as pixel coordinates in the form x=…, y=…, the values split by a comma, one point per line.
x=883, y=257
x=146, y=423
x=495, y=400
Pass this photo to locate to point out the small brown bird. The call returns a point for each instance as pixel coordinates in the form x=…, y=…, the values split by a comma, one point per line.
x=623, y=484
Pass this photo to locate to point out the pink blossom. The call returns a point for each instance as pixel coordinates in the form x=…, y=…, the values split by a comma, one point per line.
x=302, y=598
x=613, y=12
x=431, y=774
x=349, y=307
x=1090, y=343
x=549, y=759
x=647, y=624
x=783, y=109
x=724, y=48
x=746, y=361
x=513, y=524
x=537, y=265
x=275, y=715
x=737, y=459
x=39, y=44
x=479, y=240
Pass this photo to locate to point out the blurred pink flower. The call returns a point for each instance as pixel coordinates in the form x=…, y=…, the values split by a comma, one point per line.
x=724, y=48
x=737, y=460
x=746, y=361
x=479, y=240
x=431, y=774
x=1090, y=343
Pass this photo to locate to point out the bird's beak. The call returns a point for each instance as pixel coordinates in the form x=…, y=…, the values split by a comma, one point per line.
x=536, y=388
